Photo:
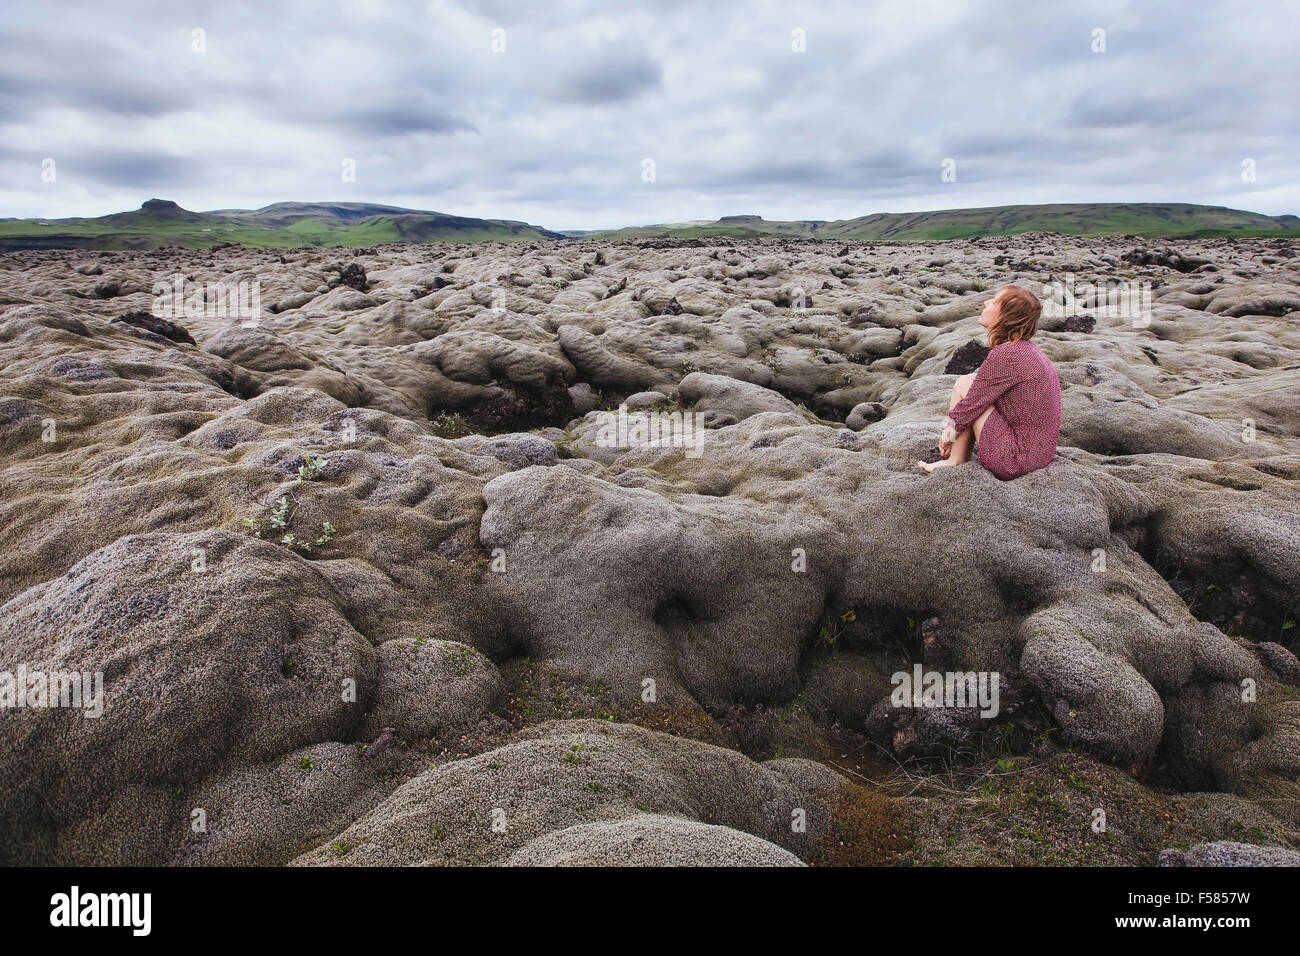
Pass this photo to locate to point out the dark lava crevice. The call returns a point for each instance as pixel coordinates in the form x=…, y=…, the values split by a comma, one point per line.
x=1237, y=598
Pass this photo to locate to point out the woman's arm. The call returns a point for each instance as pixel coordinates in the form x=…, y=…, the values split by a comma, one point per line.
x=994, y=377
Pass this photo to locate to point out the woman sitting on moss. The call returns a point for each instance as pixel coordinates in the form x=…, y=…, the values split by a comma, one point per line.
x=1010, y=410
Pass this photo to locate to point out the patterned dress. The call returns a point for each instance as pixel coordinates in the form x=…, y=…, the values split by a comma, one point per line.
x=1022, y=387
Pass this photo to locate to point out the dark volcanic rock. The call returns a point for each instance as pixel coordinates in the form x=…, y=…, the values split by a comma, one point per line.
x=1070, y=323
x=1171, y=258
x=968, y=358
x=353, y=276
x=158, y=326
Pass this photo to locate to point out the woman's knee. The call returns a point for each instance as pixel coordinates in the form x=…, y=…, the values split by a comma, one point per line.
x=962, y=386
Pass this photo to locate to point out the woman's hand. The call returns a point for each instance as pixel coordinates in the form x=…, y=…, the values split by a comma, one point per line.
x=947, y=437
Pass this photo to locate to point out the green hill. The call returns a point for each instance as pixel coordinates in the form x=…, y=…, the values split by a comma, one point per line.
x=159, y=222
x=1168, y=220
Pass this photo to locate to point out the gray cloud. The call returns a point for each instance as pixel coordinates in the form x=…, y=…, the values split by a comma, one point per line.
x=140, y=169
x=613, y=73
x=396, y=119
x=553, y=121
x=1114, y=111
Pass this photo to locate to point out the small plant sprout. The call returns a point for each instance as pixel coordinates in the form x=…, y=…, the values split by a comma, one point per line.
x=280, y=516
x=311, y=467
x=292, y=541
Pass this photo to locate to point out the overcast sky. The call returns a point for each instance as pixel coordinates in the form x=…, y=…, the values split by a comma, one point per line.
x=548, y=110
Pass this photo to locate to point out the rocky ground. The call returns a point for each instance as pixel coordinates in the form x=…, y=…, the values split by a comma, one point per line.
x=365, y=587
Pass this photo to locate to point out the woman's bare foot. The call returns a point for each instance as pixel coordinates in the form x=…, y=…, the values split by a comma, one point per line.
x=929, y=466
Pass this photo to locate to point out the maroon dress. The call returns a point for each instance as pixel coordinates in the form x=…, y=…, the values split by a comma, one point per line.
x=1022, y=386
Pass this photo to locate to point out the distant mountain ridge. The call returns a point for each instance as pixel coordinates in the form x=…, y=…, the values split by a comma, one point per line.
x=1171, y=220
x=161, y=222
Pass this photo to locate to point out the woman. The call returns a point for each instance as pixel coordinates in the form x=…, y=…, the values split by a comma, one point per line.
x=1011, y=407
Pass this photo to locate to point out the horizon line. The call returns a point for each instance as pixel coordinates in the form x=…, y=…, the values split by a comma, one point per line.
x=647, y=225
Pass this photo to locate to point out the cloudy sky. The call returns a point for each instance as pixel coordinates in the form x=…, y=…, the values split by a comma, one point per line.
x=558, y=111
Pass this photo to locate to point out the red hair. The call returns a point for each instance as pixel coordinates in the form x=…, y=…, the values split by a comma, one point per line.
x=1018, y=312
